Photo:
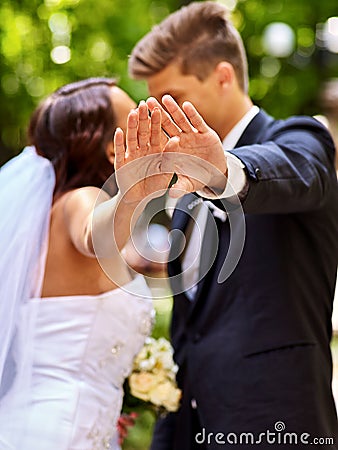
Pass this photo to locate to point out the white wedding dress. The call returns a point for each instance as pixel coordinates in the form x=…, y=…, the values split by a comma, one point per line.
x=80, y=350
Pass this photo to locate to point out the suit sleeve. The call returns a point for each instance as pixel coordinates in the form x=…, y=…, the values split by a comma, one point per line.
x=292, y=171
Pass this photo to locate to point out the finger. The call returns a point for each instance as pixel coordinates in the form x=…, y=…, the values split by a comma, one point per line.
x=166, y=121
x=143, y=127
x=119, y=148
x=155, y=135
x=177, y=114
x=194, y=117
x=164, y=139
x=131, y=138
x=153, y=103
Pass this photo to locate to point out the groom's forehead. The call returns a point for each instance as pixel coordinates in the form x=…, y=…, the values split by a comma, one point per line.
x=171, y=81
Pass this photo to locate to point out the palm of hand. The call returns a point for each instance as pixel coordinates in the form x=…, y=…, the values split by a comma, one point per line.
x=142, y=178
x=194, y=150
x=203, y=145
x=138, y=170
x=197, y=158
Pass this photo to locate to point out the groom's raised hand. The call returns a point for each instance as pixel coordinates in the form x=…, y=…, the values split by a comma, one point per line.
x=194, y=151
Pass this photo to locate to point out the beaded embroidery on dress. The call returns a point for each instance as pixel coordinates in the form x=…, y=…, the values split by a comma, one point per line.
x=82, y=351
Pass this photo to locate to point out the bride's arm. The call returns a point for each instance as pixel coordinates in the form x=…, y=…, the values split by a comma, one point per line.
x=100, y=225
x=112, y=224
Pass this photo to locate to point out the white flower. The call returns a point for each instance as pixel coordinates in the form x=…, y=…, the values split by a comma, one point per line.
x=147, y=364
x=154, y=375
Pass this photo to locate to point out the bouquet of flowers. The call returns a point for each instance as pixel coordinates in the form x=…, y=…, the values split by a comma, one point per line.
x=153, y=378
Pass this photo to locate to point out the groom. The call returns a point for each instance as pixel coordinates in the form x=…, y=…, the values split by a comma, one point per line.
x=252, y=338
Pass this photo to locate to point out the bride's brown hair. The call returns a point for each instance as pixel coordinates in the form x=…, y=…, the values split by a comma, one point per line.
x=72, y=128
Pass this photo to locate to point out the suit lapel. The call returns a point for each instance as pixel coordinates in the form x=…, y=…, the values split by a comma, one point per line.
x=251, y=135
x=255, y=130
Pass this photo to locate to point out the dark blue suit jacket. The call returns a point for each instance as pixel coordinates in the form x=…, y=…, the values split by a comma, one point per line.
x=255, y=349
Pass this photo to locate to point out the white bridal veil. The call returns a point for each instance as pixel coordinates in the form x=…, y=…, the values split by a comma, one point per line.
x=26, y=192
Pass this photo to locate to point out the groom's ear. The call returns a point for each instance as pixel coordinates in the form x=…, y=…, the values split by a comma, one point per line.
x=225, y=73
x=110, y=153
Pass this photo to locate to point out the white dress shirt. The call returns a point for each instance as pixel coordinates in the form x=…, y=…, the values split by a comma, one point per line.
x=235, y=183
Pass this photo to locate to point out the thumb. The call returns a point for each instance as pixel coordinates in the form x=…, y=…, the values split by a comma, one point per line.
x=169, y=155
x=172, y=145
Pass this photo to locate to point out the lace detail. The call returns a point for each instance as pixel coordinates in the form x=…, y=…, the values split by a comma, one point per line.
x=147, y=323
x=100, y=438
x=105, y=436
x=111, y=354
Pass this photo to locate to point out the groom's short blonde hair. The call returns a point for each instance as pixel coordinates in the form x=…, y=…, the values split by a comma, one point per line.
x=198, y=37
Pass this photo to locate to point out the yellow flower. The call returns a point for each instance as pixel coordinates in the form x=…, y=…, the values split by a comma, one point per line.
x=141, y=384
x=165, y=394
x=154, y=377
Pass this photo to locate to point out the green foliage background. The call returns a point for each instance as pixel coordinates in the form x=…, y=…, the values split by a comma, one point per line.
x=101, y=35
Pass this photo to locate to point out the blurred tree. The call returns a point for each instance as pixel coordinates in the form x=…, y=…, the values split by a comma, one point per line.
x=288, y=84
x=44, y=44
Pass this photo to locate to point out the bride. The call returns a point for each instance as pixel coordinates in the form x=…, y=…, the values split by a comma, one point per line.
x=72, y=316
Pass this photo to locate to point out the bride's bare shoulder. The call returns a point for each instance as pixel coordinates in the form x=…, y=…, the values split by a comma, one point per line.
x=81, y=198
x=78, y=203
